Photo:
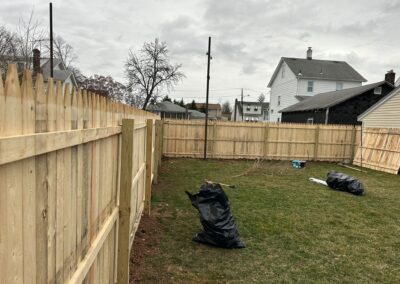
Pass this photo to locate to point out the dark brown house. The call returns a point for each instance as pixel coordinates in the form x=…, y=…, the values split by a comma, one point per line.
x=338, y=107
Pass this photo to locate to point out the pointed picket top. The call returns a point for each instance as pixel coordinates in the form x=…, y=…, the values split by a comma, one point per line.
x=28, y=103
x=13, y=100
x=40, y=105
x=79, y=108
x=51, y=106
x=67, y=107
x=59, y=106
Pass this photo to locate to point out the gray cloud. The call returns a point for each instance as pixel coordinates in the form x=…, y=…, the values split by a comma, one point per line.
x=248, y=37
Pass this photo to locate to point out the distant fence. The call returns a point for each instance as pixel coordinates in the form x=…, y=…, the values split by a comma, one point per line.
x=73, y=184
x=274, y=141
x=380, y=150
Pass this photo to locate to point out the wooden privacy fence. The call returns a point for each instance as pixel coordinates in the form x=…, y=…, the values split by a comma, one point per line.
x=64, y=206
x=380, y=150
x=275, y=141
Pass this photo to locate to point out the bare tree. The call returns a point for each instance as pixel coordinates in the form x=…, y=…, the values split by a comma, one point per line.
x=261, y=98
x=149, y=70
x=64, y=51
x=226, y=107
x=30, y=36
x=106, y=86
x=8, y=47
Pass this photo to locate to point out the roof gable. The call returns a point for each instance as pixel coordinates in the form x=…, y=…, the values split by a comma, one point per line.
x=329, y=99
x=393, y=93
x=319, y=69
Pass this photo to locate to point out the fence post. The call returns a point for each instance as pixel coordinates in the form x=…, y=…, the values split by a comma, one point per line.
x=161, y=142
x=149, y=149
x=316, y=142
x=128, y=129
x=266, y=132
x=156, y=150
x=353, y=140
x=213, y=140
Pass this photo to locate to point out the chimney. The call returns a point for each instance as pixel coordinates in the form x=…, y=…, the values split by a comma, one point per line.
x=309, y=53
x=390, y=77
x=36, y=61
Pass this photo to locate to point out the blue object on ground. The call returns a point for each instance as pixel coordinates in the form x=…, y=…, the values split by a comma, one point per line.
x=298, y=164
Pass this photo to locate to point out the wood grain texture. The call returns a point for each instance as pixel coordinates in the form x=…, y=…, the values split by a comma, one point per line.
x=59, y=174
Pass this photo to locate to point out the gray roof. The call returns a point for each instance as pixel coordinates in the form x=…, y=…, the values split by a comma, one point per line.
x=58, y=75
x=196, y=114
x=166, y=106
x=393, y=93
x=329, y=99
x=320, y=69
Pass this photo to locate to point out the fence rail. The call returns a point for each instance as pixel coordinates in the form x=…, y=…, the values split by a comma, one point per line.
x=60, y=181
x=380, y=150
x=232, y=140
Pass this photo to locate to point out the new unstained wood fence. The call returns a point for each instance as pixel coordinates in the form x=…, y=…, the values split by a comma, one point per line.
x=380, y=150
x=73, y=182
x=273, y=141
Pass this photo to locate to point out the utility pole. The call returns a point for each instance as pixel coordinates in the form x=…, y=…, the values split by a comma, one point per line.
x=234, y=116
x=51, y=40
x=242, y=103
x=207, y=92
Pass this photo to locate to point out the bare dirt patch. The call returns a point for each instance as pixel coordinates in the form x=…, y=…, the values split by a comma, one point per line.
x=146, y=243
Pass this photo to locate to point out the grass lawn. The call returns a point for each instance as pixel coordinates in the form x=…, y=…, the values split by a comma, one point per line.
x=294, y=230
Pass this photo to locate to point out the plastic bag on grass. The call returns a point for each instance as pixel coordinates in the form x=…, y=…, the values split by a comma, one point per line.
x=219, y=228
x=343, y=182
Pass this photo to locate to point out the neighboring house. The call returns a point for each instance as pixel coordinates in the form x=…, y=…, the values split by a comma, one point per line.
x=338, y=107
x=385, y=113
x=214, y=110
x=42, y=65
x=194, y=114
x=297, y=78
x=250, y=111
x=167, y=109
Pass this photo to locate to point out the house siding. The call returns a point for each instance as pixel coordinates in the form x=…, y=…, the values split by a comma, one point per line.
x=286, y=88
x=322, y=86
x=289, y=87
x=302, y=116
x=386, y=115
x=343, y=113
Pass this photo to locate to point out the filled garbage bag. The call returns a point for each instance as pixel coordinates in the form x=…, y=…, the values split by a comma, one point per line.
x=219, y=228
x=343, y=182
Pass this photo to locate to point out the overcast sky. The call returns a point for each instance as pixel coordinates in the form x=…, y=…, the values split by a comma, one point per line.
x=248, y=37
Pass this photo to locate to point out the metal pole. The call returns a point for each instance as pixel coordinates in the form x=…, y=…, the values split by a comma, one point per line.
x=242, y=103
x=51, y=40
x=207, y=91
x=234, y=117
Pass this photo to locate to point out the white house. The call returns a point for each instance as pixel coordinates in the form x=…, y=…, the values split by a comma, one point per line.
x=250, y=111
x=297, y=78
x=385, y=113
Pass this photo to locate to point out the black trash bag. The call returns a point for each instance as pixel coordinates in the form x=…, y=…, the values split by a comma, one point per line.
x=219, y=228
x=343, y=182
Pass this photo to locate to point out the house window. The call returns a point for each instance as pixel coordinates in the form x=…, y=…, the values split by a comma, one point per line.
x=310, y=120
x=248, y=108
x=283, y=70
x=272, y=111
x=310, y=86
x=378, y=91
x=339, y=86
x=279, y=100
x=255, y=109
